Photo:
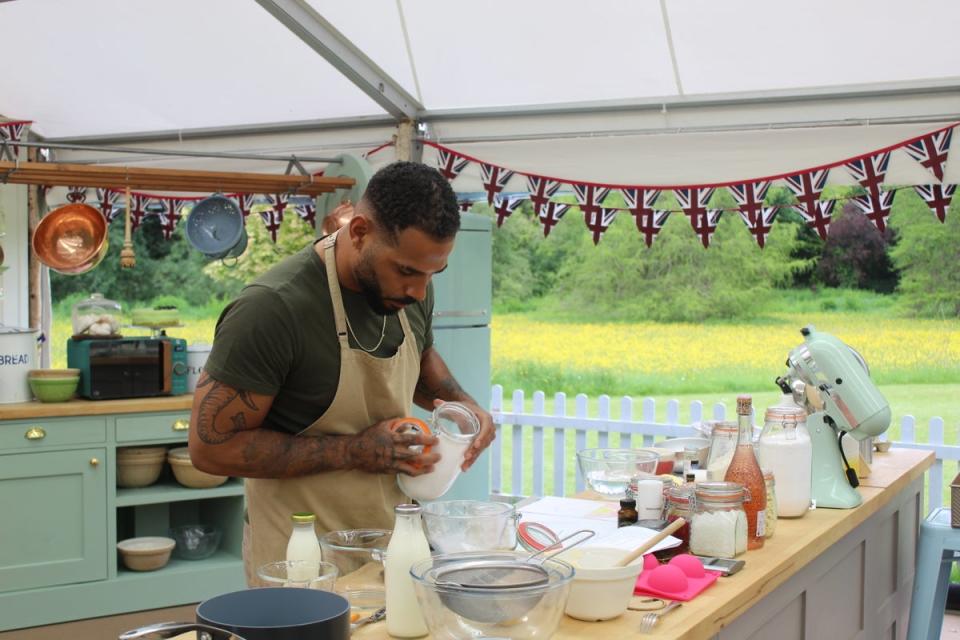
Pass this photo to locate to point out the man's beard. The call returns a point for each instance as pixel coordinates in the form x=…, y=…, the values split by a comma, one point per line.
x=370, y=288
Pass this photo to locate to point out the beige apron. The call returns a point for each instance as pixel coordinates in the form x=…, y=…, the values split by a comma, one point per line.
x=371, y=389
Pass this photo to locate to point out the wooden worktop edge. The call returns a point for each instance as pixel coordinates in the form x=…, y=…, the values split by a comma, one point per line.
x=33, y=410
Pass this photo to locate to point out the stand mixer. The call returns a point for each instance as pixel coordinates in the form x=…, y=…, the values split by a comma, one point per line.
x=832, y=382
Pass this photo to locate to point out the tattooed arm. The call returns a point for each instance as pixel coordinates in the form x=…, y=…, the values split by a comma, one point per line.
x=227, y=438
x=437, y=384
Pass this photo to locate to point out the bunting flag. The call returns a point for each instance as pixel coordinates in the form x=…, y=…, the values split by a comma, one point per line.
x=138, y=202
x=807, y=188
x=599, y=221
x=541, y=190
x=464, y=205
x=550, y=214
x=694, y=201
x=590, y=198
x=749, y=197
x=504, y=206
x=877, y=209
x=870, y=171
x=170, y=216
x=760, y=223
x=937, y=198
x=819, y=220
x=272, y=219
x=244, y=202
x=279, y=203
x=494, y=179
x=108, y=198
x=12, y=132
x=650, y=223
x=931, y=151
x=450, y=164
x=76, y=194
x=308, y=213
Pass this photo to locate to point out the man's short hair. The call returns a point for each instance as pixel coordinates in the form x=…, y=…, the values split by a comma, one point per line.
x=410, y=194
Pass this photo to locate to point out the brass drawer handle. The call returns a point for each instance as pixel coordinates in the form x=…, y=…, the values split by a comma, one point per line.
x=35, y=433
x=94, y=462
x=181, y=425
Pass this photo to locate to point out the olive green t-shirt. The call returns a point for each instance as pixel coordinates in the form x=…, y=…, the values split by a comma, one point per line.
x=278, y=338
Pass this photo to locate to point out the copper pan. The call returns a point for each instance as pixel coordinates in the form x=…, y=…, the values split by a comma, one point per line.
x=72, y=239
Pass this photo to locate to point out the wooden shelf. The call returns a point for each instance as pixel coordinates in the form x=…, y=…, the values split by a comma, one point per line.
x=173, y=180
x=220, y=559
x=165, y=492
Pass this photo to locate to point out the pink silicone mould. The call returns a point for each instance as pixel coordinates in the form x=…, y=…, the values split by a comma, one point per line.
x=682, y=578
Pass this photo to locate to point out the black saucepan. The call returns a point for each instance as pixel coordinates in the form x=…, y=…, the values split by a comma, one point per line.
x=263, y=614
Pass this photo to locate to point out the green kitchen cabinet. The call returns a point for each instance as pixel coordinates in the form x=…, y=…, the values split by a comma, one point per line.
x=54, y=518
x=63, y=513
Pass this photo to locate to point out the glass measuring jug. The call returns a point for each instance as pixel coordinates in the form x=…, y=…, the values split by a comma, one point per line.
x=455, y=426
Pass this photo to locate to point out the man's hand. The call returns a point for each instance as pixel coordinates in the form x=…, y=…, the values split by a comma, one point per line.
x=377, y=449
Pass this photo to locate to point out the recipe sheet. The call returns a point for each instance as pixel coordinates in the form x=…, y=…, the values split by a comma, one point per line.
x=565, y=516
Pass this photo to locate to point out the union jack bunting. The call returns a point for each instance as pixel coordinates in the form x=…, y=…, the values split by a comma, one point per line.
x=937, y=197
x=931, y=151
x=870, y=171
x=244, y=202
x=760, y=223
x=640, y=201
x=307, y=213
x=494, y=179
x=279, y=202
x=693, y=201
x=807, y=188
x=877, y=209
x=590, y=198
x=108, y=198
x=649, y=224
x=450, y=164
x=504, y=206
x=76, y=194
x=749, y=197
x=272, y=219
x=12, y=132
x=550, y=215
x=170, y=216
x=599, y=221
x=541, y=190
x=138, y=204
x=820, y=218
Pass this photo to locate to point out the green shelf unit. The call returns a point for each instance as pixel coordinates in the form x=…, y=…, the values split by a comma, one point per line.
x=222, y=559
x=164, y=492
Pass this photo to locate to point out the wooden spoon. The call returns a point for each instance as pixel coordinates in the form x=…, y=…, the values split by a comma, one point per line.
x=649, y=544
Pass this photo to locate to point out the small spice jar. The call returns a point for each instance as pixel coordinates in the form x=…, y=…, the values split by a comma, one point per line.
x=771, y=520
x=628, y=513
x=719, y=526
x=678, y=505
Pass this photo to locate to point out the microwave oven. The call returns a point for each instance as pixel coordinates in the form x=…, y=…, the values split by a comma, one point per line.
x=129, y=367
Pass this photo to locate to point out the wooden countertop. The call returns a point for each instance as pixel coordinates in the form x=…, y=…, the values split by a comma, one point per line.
x=78, y=407
x=795, y=543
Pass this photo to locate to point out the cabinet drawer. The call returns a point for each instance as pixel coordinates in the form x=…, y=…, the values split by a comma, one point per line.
x=156, y=426
x=51, y=432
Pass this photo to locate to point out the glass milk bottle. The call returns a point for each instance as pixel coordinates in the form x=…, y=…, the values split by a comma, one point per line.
x=455, y=426
x=407, y=545
x=786, y=449
x=303, y=545
x=745, y=470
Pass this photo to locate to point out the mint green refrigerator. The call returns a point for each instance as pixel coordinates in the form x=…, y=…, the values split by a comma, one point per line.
x=461, y=331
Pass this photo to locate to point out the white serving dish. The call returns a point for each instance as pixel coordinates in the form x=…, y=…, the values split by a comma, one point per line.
x=600, y=591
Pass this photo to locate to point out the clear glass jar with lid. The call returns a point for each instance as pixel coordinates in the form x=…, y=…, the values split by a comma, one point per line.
x=785, y=449
x=723, y=442
x=96, y=317
x=719, y=526
x=770, y=523
x=679, y=500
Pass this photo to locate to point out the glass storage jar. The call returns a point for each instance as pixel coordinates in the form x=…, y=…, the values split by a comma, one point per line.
x=770, y=523
x=785, y=449
x=678, y=505
x=719, y=526
x=723, y=442
x=96, y=316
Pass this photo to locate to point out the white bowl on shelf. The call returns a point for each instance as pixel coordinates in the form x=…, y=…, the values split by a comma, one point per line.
x=147, y=553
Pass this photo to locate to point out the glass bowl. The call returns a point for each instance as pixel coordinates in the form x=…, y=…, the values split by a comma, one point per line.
x=195, y=541
x=608, y=471
x=303, y=574
x=453, y=526
x=489, y=611
x=358, y=555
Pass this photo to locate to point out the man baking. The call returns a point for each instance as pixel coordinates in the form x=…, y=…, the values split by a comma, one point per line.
x=315, y=358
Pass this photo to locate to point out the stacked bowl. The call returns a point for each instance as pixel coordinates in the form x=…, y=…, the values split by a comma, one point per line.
x=139, y=466
x=187, y=474
x=53, y=385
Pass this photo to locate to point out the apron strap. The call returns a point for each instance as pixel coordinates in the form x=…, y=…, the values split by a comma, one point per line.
x=339, y=315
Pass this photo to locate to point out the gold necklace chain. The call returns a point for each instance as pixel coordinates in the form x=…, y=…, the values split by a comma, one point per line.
x=383, y=332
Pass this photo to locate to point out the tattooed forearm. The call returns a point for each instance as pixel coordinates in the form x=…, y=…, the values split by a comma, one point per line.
x=218, y=419
x=446, y=389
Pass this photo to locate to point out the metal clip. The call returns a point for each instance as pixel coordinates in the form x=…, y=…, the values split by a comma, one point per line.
x=293, y=162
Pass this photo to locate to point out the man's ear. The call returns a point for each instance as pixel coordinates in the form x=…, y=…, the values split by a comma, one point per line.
x=360, y=228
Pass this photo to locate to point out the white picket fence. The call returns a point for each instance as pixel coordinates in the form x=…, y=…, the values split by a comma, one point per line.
x=517, y=425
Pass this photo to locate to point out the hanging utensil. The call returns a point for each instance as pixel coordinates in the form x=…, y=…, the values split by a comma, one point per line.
x=128, y=260
x=72, y=239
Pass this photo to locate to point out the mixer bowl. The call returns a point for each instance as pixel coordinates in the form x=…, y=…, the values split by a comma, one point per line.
x=71, y=239
x=494, y=610
x=608, y=471
x=470, y=525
